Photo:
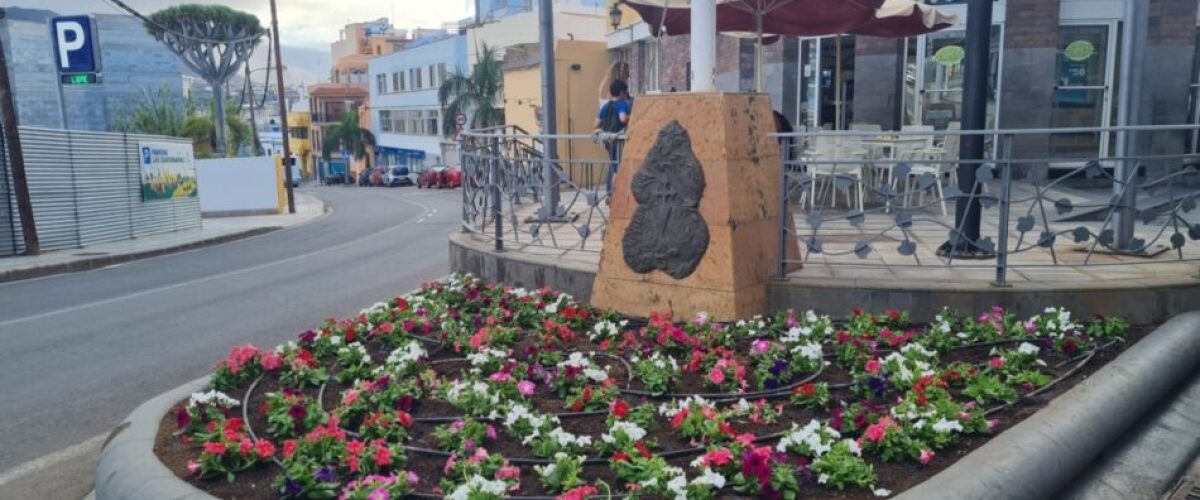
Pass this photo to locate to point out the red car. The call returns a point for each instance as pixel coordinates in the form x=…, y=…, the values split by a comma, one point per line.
x=440, y=177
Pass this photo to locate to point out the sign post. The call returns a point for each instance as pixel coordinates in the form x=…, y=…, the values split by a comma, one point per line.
x=76, y=54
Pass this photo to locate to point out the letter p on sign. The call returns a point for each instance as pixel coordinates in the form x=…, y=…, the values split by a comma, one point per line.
x=74, y=44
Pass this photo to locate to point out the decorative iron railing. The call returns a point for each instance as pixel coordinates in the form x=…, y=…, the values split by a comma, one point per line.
x=1045, y=198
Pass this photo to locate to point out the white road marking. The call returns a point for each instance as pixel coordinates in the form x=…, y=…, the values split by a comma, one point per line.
x=51, y=459
x=425, y=211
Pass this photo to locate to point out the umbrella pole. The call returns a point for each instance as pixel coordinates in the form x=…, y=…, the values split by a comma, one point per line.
x=758, y=51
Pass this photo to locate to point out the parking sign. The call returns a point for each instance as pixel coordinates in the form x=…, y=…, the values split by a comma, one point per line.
x=76, y=49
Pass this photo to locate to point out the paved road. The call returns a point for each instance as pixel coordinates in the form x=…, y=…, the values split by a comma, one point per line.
x=81, y=350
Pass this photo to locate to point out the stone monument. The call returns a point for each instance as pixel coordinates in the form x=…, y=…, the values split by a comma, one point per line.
x=695, y=210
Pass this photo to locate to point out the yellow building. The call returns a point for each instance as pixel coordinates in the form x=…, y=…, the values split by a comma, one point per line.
x=299, y=121
x=580, y=69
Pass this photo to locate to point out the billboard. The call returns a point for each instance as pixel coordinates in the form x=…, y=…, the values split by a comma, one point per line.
x=168, y=171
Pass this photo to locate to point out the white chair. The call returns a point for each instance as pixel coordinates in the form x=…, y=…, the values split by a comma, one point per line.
x=938, y=162
x=833, y=157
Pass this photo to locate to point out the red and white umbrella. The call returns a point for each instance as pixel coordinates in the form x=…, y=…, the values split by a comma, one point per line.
x=759, y=18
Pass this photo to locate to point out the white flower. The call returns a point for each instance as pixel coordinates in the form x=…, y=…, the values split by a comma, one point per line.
x=943, y=426
x=853, y=446
x=1027, y=348
x=880, y=492
x=678, y=486
x=631, y=430
x=823, y=478
x=810, y=316
x=479, y=484
x=596, y=374
x=213, y=396
x=811, y=350
x=710, y=478
x=812, y=437
x=335, y=340
x=548, y=470
x=552, y=307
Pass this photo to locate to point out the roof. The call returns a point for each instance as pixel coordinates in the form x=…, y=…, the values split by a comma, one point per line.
x=338, y=90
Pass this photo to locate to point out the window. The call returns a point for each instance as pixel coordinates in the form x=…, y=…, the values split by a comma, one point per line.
x=385, y=121
x=298, y=132
x=441, y=73
x=381, y=83
x=431, y=122
x=433, y=83
x=396, y=82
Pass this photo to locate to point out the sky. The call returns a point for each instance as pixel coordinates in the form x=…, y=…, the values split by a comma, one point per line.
x=308, y=24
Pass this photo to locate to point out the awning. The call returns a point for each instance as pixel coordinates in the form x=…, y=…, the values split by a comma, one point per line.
x=418, y=154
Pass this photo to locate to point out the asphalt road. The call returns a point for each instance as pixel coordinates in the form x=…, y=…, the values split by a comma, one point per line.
x=80, y=351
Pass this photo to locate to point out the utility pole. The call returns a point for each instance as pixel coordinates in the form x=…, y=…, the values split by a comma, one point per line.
x=550, y=209
x=12, y=137
x=968, y=208
x=283, y=125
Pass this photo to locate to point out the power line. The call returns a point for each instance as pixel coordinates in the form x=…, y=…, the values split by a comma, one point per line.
x=133, y=12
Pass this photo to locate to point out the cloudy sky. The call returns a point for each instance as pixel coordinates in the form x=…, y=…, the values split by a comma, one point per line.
x=310, y=24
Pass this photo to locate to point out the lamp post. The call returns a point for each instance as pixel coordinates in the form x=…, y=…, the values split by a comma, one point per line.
x=614, y=16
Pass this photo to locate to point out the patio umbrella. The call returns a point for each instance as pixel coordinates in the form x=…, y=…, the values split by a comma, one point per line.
x=759, y=18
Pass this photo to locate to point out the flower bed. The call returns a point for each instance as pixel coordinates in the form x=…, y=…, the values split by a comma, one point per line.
x=465, y=390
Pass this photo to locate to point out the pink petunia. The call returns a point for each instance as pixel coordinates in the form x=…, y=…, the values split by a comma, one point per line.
x=873, y=366
x=927, y=456
x=526, y=387
x=716, y=376
x=272, y=361
x=996, y=363
x=193, y=467
x=508, y=472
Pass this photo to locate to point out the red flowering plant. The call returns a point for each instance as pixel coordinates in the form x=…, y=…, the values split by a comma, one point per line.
x=699, y=420
x=226, y=449
x=720, y=368
x=238, y=368
x=290, y=413
x=314, y=465
x=811, y=395
x=464, y=436
x=384, y=393
x=766, y=473
x=663, y=335
x=300, y=368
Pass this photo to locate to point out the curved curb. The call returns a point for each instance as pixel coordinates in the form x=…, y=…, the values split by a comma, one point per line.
x=1044, y=453
x=128, y=468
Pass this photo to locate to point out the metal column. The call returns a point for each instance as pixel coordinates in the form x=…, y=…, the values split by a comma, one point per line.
x=1133, y=49
x=550, y=209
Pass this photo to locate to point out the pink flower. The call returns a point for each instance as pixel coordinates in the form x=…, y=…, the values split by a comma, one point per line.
x=992, y=424
x=217, y=448
x=927, y=456
x=718, y=457
x=491, y=432
x=716, y=376
x=508, y=472
x=450, y=463
x=759, y=347
x=413, y=478
x=264, y=448
x=875, y=433
x=500, y=377
x=272, y=361
x=379, y=494
x=349, y=397
x=873, y=366
x=997, y=362
x=383, y=456
x=193, y=467
x=1030, y=326
x=526, y=387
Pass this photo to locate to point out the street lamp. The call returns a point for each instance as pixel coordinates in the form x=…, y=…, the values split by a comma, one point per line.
x=614, y=15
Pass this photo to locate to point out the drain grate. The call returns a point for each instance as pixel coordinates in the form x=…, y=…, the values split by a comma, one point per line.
x=1187, y=489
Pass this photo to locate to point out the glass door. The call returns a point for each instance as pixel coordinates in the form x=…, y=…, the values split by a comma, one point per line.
x=1083, y=90
x=809, y=82
x=934, y=72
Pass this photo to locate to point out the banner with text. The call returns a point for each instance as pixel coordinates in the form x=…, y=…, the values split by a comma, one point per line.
x=168, y=171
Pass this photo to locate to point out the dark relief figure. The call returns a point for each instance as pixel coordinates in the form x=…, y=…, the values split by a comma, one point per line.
x=667, y=232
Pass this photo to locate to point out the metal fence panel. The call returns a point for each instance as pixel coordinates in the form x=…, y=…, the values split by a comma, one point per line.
x=86, y=189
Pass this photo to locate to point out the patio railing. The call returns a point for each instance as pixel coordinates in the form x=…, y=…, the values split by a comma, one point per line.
x=1046, y=198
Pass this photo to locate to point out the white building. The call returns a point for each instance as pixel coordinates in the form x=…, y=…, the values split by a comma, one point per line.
x=406, y=115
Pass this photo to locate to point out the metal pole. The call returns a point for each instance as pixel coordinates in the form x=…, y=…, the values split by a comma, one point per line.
x=12, y=137
x=283, y=124
x=967, y=210
x=550, y=208
x=256, y=143
x=1005, y=207
x=782, y=230
x=758, y=50
x=703, y=44
x=1133, y=49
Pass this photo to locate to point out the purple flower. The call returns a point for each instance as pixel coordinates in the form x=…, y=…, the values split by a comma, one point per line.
x=292, y=488
x=877, y=385
x=298, y=412
x=779, y=367
x=404, y=403
x=182, y=417
x=308, y=337
x=325, y=474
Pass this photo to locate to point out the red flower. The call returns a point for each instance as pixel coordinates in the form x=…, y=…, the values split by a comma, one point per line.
x=872, y=366
x=678, y=419
x=642, y=449
x=264, y=448
x=892, y=314
x=620, y=408
x=726, y=429
x=620, y=457
x=214, y=448
x=404, y=418
x=579, y=493
x=587, y=393
x=289, y=448
x=718, y=457
x=807, y=390
x=244, y=446
x=383, y=456
x=996, y=363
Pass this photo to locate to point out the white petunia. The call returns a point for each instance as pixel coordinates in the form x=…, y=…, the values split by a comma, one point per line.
x=1027, y=348
x=880, y=492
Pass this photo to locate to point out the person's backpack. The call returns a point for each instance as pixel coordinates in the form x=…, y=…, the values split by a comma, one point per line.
x=610, y=118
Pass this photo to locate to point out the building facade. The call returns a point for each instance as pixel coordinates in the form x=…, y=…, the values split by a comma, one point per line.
x=132, y=62
x=328, y=104
x=1053, y=63
x=406, y=115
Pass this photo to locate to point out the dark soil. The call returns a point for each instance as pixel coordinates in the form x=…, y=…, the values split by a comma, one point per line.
x=897, y=477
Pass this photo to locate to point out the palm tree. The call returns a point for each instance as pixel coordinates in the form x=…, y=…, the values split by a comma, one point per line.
x=348, y=135
x=475, y=94
x=163, y=112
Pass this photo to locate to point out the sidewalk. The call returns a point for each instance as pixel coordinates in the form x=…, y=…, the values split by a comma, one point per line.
x=214, y=231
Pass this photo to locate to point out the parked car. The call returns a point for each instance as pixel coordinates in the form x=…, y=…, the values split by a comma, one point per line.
x=440, y=176
x=399, y=176
x=377, y=177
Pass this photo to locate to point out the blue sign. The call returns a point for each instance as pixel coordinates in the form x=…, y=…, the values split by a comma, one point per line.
x=76, y=49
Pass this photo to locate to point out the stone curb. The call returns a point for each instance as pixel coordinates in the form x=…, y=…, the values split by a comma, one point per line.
x=128, y=468
x=1035, y=459
x=108, y=260
x=1047, y=451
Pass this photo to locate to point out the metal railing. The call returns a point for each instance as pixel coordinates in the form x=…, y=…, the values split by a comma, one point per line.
x=505, y=184
x=1045, y=197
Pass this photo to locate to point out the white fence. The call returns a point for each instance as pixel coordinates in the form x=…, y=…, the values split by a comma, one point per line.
x=86, y=188
x=238, y=186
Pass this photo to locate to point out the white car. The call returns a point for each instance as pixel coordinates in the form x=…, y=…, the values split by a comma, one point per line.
x=398, y=176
